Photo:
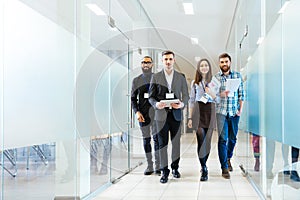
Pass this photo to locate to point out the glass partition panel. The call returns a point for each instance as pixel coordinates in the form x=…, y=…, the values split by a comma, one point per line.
x=254, y=26
x=1, y=97
x=111, y=104
x=270, y=86
x=124, y=13
x=241, y=41
x=38, y=130
x=92, y=110
x=66, y=88
x=288, y=186
x=291, y=52
x=272, y=8
x=272, y=76
x=253, y=93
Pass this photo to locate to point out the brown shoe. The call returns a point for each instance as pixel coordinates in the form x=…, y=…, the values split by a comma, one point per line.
x=225, y=173
x=229, y=165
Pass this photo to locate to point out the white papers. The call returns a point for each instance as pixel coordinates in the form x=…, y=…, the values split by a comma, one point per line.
x=169, y=101
x=232, y=85
x=214, y=85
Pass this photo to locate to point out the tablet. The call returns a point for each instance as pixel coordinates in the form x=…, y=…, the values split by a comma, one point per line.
x=169, y=101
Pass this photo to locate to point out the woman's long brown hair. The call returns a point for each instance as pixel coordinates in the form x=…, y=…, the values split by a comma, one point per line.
x=198, y=75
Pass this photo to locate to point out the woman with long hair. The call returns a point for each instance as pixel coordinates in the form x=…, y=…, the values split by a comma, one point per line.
x=202, y=112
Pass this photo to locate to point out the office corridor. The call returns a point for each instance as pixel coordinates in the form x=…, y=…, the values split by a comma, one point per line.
x=136, y=186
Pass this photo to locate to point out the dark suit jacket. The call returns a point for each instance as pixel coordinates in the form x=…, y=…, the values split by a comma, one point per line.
x=140, y=85
x=159, y=88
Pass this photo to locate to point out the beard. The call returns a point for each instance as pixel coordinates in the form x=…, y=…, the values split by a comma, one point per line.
x=225, y=70
x=147, y=71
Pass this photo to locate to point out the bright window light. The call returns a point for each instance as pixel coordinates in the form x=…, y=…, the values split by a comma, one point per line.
x=194, y=40
x=95, y=9
x=282, y=9
x=113, y=28
x=188, y=8
x=260, y=40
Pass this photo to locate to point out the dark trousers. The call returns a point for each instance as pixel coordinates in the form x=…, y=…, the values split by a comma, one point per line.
x=146, y=133
x=163, y=128
x=295, y=154
x=204, y=144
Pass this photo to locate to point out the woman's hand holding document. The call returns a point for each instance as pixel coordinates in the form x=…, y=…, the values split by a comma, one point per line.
x=232, y=85
x=214, y=86
x=211, y=91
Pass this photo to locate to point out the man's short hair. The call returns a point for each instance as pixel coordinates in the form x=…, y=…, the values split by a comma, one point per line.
x=167, y=52
x=225, y=55
x=147, y=57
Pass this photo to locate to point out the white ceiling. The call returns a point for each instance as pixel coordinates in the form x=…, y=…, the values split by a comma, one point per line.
x=211, y=24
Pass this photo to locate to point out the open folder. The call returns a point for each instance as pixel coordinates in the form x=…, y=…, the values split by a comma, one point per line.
x=169, y=101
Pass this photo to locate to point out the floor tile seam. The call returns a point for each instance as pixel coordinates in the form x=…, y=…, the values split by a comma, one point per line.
x=133, y=188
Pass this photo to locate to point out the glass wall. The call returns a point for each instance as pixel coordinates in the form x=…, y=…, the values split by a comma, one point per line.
x=267, y=55
x=66, y=72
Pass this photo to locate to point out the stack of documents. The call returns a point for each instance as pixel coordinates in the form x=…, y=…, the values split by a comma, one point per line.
x=232, y=85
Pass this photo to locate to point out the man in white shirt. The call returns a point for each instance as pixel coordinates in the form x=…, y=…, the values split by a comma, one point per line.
x=168, y=85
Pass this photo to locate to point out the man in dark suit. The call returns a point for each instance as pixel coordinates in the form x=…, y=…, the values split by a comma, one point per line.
x=145, y=113
x=168, y=84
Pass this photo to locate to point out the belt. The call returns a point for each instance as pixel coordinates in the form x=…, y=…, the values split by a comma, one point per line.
x=168, y=110
x=228, y=116
x=200, y=102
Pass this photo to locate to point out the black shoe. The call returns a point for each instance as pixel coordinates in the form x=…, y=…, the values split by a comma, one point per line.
x=176, y=173
x=229, y=165
x=286, y=172
x=157, y=172
x=164, y=177
x=294, y=176
x=204, y=174
x=148, y=171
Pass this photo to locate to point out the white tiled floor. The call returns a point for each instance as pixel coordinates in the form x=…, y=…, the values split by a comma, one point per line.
x=136, y=186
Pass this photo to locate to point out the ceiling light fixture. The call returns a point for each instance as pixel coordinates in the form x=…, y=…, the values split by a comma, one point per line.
x=194, y=40
x=197, y=58
x=188, y=8
x=113, y=28
x=95, y=9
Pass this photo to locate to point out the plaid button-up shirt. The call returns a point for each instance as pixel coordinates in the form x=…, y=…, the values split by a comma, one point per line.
x=229, y=105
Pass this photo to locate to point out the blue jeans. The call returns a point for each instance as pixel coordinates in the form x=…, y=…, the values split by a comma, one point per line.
x=227, y=130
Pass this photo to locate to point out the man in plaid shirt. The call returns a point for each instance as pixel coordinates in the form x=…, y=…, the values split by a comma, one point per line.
x=228, y=110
